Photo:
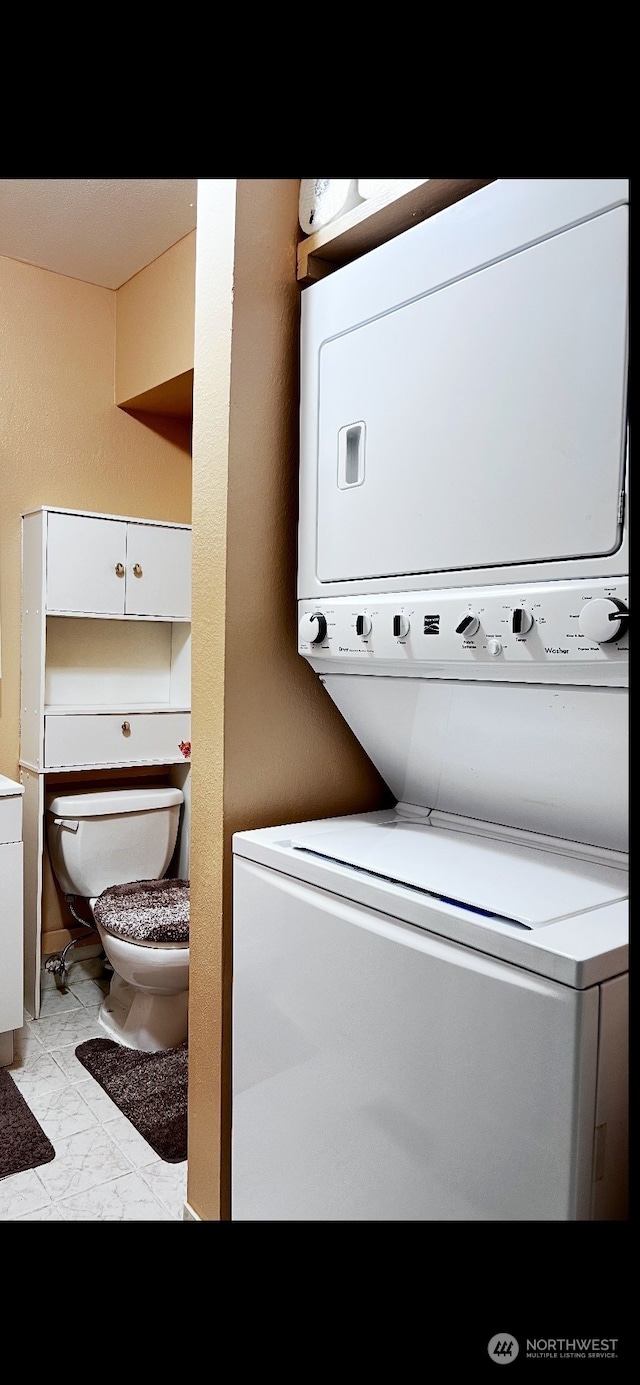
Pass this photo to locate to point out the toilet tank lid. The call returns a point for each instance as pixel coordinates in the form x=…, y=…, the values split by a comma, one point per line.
x=105, y=802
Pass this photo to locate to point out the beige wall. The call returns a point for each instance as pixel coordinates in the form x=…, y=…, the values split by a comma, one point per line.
x=154, y=323
x=268, y=744
x=64, y=442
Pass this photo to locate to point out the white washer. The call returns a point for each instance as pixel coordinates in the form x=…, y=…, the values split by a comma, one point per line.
x=430, y=1005
x=397, y=1056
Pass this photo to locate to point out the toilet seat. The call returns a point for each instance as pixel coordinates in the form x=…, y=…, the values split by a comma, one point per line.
x=151, y=912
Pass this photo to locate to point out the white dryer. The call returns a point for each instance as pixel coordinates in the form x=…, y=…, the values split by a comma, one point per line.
x=430, y=1003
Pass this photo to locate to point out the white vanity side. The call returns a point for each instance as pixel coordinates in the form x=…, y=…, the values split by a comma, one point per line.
x=11, y=916
x=34, y=845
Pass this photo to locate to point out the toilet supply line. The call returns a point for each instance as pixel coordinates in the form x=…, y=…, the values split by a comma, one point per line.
x=57, y=962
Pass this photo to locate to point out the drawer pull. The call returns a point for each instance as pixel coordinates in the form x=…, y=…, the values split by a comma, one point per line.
x=119, y=569
x=126, y=728
x=137, y=570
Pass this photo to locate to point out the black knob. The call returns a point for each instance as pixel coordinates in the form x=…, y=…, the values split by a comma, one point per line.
x=322, y=627
x=468, y=624
x=622, y=614
x=521, y=620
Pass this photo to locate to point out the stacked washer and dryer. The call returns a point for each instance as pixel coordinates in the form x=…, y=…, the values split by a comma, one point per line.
x=430, y=1002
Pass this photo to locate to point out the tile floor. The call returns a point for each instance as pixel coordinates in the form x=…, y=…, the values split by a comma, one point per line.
x=103, y=1169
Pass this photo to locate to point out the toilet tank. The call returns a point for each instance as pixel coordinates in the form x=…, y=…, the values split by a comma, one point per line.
x=111, y=837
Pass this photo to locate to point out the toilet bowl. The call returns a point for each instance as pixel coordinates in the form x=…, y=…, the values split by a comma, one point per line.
x=144, y=930
x=111, y=848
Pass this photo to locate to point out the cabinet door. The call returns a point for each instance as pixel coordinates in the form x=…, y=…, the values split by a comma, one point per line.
x=86, y=559
x=158, y=571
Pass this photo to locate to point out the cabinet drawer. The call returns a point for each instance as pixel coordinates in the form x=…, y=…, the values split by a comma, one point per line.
x=11, y=818
x=106, y=739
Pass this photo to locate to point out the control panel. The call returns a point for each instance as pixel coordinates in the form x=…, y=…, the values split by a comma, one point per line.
x=555, y=631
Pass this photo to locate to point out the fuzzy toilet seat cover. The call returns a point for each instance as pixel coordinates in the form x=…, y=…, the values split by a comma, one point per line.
x=146, y=911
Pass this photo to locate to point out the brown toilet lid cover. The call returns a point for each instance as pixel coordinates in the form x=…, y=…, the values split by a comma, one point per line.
x=146, y=911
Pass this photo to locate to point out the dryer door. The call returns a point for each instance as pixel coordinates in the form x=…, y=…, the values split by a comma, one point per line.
x=481, y=424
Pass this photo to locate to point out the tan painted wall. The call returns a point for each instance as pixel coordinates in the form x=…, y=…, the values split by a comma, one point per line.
x=154, y=322
x=268, y=744
x=63, y=441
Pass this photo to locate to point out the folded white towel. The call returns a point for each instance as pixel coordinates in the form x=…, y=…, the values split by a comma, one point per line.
x=323, y=199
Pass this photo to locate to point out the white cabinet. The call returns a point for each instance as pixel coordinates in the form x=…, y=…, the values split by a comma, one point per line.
x=104, y=649
x=105, y=666
x=11, y=915
x=107, y=566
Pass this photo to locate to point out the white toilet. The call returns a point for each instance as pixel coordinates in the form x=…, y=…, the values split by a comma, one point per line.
x=111, y=848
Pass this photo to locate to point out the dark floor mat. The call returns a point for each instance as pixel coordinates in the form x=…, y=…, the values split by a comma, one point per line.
x=23, y=1143
x=149, y=1088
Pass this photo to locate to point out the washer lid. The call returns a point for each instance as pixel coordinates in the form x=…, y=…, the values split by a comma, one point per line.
x=111, y=802
x=528, y=886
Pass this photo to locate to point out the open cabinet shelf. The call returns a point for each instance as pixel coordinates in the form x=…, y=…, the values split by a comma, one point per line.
x=377, y=220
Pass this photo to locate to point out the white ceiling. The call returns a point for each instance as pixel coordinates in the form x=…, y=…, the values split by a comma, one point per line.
x=100, y=230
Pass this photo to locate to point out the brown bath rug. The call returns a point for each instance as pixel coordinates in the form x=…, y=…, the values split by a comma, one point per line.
x=149, y=1088
x=23, y=1143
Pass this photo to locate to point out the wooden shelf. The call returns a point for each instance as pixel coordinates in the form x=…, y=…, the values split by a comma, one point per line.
x=377, y=220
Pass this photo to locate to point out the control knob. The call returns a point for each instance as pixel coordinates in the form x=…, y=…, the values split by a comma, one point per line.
x=400, y=626
x=363, y=625
x=521, y=620
x=312, y=628
x=468, y=624
x=604, y=619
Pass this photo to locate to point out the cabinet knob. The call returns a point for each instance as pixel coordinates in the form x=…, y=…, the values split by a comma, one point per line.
x=119, y=569
x=126, y=728
x=137, y=570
